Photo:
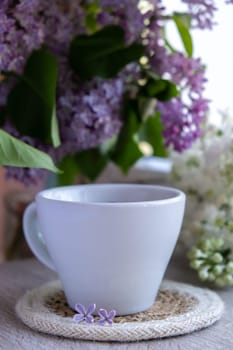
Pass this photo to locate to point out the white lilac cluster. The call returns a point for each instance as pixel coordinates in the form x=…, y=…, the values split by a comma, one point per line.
x=205, y=174
x=213, y=261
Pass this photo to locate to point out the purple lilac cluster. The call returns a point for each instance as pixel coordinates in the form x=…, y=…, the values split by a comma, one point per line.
x=182, y=116
x=90, y=113
x=124, y=13
x=202, y=12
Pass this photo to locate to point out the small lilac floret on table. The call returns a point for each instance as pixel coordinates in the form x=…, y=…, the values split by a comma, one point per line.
x=84, y=314
x=106, y=318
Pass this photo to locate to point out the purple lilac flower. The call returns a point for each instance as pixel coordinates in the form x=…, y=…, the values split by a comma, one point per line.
x=89, y=113
x=182, y=123
x=84, y=314
x=181, y=118
x=202, y=13
x=124, y=13
x=106, y=318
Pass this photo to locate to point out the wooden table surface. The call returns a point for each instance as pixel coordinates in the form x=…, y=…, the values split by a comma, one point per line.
x=19, y=276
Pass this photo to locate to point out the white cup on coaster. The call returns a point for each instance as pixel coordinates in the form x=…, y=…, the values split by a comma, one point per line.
x=110, y=244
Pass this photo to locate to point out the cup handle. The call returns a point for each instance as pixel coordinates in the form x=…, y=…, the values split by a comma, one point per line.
x=33, y=236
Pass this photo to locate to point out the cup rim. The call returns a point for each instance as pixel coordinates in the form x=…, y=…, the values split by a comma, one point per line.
x=177, y=195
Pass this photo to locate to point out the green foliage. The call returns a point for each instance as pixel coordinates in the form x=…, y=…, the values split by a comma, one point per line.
x=185, y=18
x=151, y=131
x=161, y=89
x=139, y=125
x=70, y=170
x=31, y=102
x=91, y=10
x=103, y=53
x=146, y=106
x=168, y=44
x=126, y=151
x=123, y=150
x=2, y=115
x=91, y=162
x=182, y=22
x=16, y=153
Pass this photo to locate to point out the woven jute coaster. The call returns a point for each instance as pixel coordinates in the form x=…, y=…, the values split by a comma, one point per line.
x=179, y=309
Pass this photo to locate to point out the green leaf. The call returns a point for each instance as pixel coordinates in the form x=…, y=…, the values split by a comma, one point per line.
x=31, y=102
x=167, y=43
x=14, y=152
x=103, y=53
x=118, y=60
x=146, y=106
x=55, y=136
x=185, y=18
x=127, y=151
x=153, y=87
x=91, y=162
x=168, y=93
x=70, y=170
x=152, y=132
x=126, y=158
x=182, y=25
x=2, y=115
x=161, y=89
x=107, y=146
x=91, y=22
x=169, y=46
x=91, y=10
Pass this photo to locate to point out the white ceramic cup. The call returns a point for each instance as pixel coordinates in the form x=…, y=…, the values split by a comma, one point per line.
x=110, y=244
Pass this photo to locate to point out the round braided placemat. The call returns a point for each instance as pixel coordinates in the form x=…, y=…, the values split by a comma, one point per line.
x=179, y=309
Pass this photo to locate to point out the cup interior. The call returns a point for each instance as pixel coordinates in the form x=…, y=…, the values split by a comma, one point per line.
x=112, y=193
